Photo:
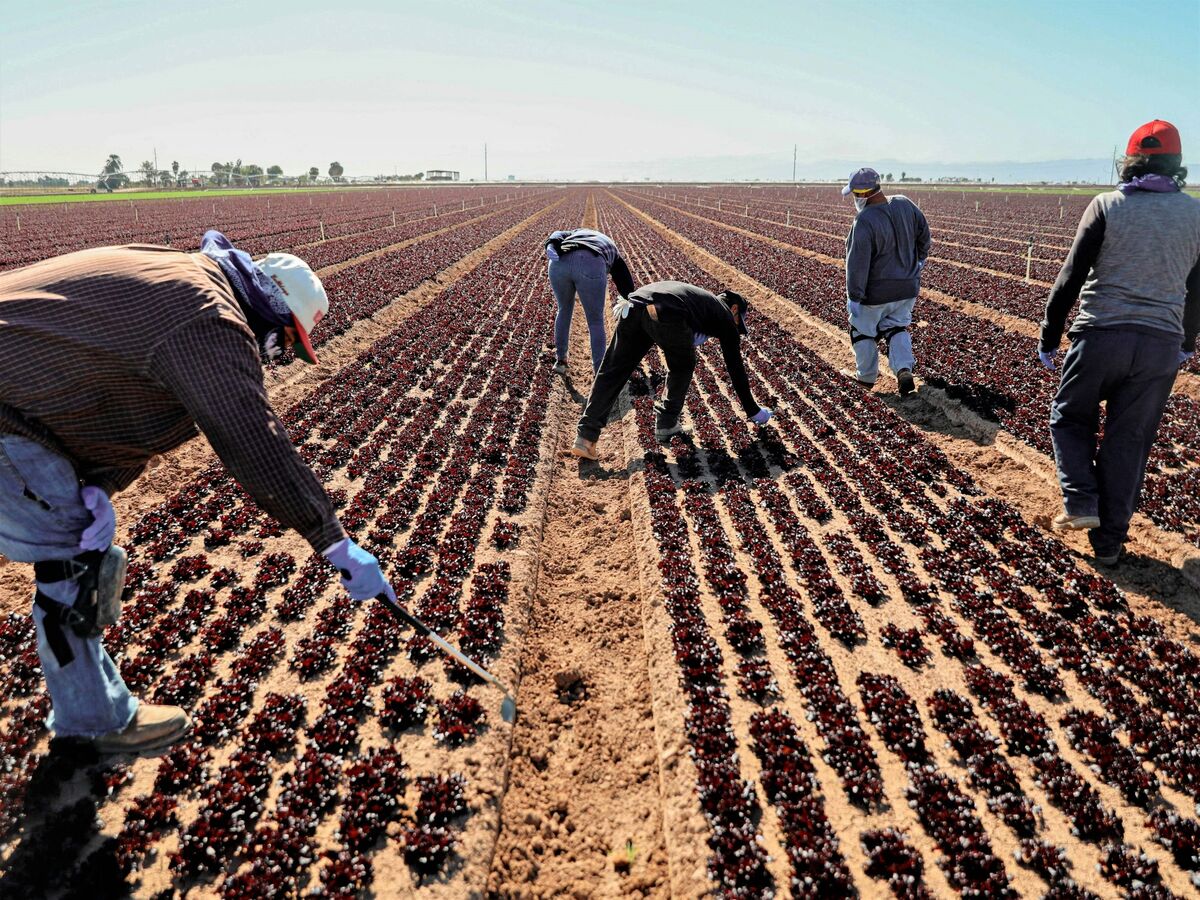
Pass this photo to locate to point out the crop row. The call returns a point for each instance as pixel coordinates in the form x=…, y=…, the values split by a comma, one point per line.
x=409, y=381
x=263, y=223
x=861, y=457
x=992, y=371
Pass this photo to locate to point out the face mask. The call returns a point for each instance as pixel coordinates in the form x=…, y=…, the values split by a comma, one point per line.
x=271, y=348
x=860, y=203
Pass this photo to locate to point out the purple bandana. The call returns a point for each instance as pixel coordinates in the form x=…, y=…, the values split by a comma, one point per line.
x=1159, y=184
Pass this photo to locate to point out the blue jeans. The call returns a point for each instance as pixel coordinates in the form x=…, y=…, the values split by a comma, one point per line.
x=41, y=519
x=873, y=322
x=584, y=272
x=1132, y=373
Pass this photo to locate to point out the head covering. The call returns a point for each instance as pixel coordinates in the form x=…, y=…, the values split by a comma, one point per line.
x=733, y=298
x=864, y=179
x=287, y=294
x=1154, y=138
x=302, y=292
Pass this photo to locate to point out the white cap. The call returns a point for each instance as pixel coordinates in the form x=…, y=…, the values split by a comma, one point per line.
x=302, y=291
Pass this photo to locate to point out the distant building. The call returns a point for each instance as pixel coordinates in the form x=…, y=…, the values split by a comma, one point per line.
x=512, y=177
x=441, y=175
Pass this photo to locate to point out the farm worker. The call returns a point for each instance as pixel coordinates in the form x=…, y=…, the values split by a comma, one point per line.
x=886, y=250
x=580, y=262
x=1135, y=268
x=677, y=318
x=107, y=357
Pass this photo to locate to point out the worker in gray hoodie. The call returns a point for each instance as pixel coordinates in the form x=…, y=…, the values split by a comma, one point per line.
x=1135, y=269
x=886, y=250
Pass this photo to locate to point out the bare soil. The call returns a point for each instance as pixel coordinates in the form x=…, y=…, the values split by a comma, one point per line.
x=582, y=813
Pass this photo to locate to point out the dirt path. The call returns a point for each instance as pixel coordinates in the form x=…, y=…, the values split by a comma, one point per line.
x=1161, y=569
x=169, y=472
x=582, y=816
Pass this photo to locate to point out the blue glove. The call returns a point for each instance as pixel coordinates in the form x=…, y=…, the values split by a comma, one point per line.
x=854, y=307
x=762, y=416
x=361, y=576
x=1048, y=359
x=921, y=264
x=699, y=339
x=99, y=535
x=1184, y=356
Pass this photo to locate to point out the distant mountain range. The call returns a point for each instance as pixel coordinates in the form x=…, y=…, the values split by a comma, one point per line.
x=779, y=168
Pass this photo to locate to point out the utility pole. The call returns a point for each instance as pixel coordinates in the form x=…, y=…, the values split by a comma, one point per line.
x=793, y=163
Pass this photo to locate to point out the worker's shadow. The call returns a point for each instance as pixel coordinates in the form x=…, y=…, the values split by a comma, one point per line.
x=573, y=391
x=1173, y=587
x=59, y=828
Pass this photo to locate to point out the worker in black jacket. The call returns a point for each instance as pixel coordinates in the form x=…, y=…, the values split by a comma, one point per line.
x=677, y=318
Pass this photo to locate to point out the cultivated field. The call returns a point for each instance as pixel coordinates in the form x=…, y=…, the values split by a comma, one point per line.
x=841, y=654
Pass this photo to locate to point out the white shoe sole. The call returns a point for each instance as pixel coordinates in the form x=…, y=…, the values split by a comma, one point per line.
x=150, y=748
x=1083, y=523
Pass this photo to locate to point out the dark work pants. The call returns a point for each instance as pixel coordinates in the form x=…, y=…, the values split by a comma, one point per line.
x=631, y=341
x=1133, y=374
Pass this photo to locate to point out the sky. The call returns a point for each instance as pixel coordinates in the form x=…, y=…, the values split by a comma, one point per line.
x=614, y=89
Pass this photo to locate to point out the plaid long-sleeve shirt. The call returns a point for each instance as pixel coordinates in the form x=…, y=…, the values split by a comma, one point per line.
x=113, y=355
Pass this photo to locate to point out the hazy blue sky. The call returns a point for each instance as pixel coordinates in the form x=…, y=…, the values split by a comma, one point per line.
x=586, y=90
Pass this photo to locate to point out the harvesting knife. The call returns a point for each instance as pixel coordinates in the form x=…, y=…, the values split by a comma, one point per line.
x=508, y=708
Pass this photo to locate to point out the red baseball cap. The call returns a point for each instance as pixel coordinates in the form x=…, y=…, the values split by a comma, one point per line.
x=1154, y=138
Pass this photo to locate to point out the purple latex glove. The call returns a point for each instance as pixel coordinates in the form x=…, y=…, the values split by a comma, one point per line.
x=361, y=576
x=762, y=416
x=1048, y=359
x=99, y=535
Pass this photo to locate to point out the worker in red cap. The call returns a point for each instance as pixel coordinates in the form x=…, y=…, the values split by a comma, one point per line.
x=107, y=357
x=1135, y=269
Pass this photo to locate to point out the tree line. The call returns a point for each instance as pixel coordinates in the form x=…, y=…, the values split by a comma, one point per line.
x=236, y=174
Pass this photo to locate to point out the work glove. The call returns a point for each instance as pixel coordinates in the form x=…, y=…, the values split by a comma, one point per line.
x=762, y=416
x=698, y=339
x=1048, y=359
x=854, y=307
x=361, y=576
x=1184, y=356
x=921, y=264
x=621, y=308
x=99, y=535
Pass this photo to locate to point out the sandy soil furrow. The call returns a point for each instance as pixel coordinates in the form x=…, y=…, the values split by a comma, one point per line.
x=581, y=815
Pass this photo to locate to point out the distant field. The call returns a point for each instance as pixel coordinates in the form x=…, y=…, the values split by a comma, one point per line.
x=157, y=195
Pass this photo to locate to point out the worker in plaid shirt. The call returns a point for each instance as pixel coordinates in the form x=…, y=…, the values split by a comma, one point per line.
x=108, y=357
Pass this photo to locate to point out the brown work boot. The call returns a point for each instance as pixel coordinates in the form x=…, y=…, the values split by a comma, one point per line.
x=152, y=728
x=904, y=378
x=585, y=449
